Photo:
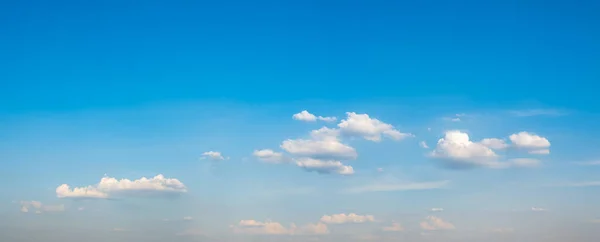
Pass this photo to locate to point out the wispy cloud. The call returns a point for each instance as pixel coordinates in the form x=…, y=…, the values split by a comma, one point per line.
x=390, y=187
x=537, y=112
x=589, y=163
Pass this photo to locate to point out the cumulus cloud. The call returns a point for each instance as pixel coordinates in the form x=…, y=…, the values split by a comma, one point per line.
x=493, y=143
x=457, y=150
x=269, y=156
x=346, y=218
x=324, y=167
x=319, y=149
x=38, y=207
x=435, y=223
x=275, y=228
x=213, y=155
x=361, y=125
x=109, y=186
x=309, y=117
x=535, y=144
x=423, y=145
x=395, y=227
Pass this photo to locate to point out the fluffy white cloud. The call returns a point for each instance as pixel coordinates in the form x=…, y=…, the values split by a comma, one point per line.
x=395, y=227
x=423, y=145
x=213, y=155
x=346, y=218
x=275, y=228
x=38, y=207
x=109, y=186
x=319, y=149
x=269, y=156
x=532, y=142
x=372, y=129
x=309, y=117
x=324, y=167
x=437, y=209
x=493, y=143
x=435, y=223
x=459, y=151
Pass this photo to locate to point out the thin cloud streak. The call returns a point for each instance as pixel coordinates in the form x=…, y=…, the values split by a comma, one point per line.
x=412, y=186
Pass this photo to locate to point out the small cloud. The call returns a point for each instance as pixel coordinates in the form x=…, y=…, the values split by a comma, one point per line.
x=455, y=118
x=379, y=169
x=38, y=207
x=536, y=209
x=269, y=156
x=212, y=155
x=309, y=117
x=437, y=209
x=324, y=167
x=346, y=218
x=423, y=145
x=187, y=218
x=80, y=208
x=435, y=223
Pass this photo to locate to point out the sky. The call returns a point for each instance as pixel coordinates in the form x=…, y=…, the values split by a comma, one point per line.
x=252, y=121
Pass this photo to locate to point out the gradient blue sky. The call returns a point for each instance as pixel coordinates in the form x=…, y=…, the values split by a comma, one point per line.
x=132, y=89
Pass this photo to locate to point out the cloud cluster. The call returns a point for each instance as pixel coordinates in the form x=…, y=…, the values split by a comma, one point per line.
x=324, y=151
x=38, y=207
x=459, y=151
x=109, y=186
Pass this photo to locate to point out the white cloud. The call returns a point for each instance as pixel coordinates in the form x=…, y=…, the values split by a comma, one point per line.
x=459, y=151
x=269, y=156
x=324, y=167
x=349, y=218
x=213, y=155
x=423, y=145
x=109, y=186
x=319, y=149
x=309, y=117
x=187, y=218
x=395, y=227
x=493, y=143
x=38, y=207
x=536, y=209
x=437, y=209
x=388, y=187
x=435, y=223
x=372, y=129
x=275, y=228
x=305, y=116
x=532, y=142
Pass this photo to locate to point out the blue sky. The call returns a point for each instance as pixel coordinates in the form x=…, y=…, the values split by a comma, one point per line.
x=299, y=121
